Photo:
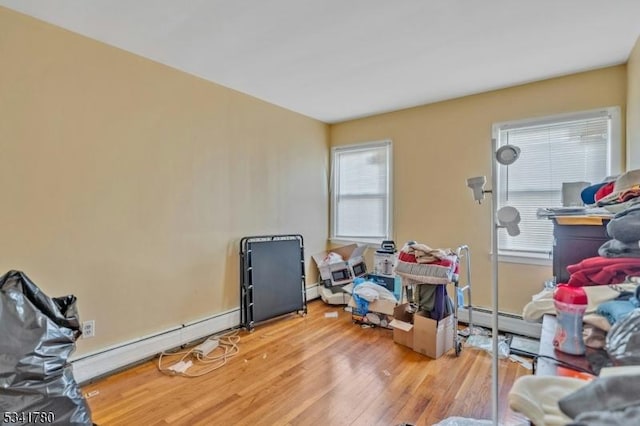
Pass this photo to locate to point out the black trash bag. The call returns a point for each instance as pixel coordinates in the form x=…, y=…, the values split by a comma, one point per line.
x=37, y=336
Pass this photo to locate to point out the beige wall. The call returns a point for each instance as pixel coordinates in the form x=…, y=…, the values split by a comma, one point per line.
x=633, y=108
x=437, y=146
x=129, y=184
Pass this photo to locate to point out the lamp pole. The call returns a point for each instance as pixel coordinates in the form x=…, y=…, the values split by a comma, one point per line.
x=506, y=217
x=494, y=288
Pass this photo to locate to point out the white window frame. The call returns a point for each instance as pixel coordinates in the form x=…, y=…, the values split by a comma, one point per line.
x=334, y=184
x=614, y=161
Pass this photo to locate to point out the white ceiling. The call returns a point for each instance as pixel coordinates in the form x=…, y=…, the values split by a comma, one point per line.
x=335, y=60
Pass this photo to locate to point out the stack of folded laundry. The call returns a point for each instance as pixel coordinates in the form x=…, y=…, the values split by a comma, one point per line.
x=428, y=265
x=428, y=269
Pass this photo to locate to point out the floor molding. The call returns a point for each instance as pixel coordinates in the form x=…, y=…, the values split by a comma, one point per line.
x=111, y=359
x=115, y=358
x=313, y=291
x=506, y=322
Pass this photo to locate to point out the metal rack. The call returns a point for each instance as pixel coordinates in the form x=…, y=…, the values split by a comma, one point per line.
x=462, y=252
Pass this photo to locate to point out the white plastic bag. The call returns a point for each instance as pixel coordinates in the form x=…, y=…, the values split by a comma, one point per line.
x=463, y=421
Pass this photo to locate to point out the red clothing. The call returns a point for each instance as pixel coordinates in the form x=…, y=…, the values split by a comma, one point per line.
x=407, y=257
x=603, y=270
x=445, y=262
x=604, y=191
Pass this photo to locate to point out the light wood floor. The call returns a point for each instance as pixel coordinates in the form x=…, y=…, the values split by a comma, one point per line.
x=310, y=370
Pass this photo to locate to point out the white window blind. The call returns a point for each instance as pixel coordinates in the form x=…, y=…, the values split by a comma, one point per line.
x=553, y=150
x=361, y=186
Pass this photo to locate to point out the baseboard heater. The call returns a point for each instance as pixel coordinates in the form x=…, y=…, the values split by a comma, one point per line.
x=110, y=360
x=509, y=323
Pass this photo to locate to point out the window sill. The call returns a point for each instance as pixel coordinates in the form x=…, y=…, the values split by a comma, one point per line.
x=525, y=259
x=368, y=242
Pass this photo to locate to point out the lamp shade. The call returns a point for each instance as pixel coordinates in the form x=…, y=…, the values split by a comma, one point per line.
x=509, y=218
x=507, y=154
x=477, y=186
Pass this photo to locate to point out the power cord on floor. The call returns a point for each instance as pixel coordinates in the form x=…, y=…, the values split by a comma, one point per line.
x=560, y=363
x=213, y=352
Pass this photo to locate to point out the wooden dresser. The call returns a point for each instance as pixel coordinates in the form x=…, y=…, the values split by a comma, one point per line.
x=576, y=238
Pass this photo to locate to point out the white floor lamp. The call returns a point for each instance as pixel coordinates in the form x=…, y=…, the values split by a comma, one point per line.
x=507, y=217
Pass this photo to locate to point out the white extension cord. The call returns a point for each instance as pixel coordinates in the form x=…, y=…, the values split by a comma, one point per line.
x=212, y=352
x=206, y=347
x=181, y=367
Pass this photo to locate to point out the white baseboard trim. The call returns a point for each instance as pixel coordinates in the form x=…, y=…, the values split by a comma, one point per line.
x=313, y=291
x=506, y=322
x=107, y=360
x=111, y=359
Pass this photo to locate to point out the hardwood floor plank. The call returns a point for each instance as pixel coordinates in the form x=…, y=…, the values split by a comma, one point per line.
x=310, y=370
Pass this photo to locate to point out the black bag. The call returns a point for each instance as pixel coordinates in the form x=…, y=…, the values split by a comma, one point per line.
x=37, y=336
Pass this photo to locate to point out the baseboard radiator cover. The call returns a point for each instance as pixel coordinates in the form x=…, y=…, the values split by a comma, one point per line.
x=313, y=291
x=112, y=359
x=507, y=322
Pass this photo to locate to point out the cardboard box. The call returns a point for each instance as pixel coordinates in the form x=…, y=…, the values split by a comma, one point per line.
x=432, y=338
x=344, y=272
x=402, y=332
x=380, y=313
x=374, y=319
x=402, y=313
x=392, y=283
x=380, y=306
x=426, y=336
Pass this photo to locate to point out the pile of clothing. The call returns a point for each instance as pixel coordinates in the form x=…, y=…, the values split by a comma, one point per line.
x=596, y=322
x=611, y=399
x=614, y=193
x=618, y=262
x=427, y=265
x=429, y=270
x=611, y=323
x=611, y=279
x=624, y=229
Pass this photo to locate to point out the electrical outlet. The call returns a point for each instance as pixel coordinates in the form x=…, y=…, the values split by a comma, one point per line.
x=88, y=329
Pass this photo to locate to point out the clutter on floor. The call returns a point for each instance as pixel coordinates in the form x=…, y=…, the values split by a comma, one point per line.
x=418, y=273
x=209, y=355
x=524, y=346
x=371, y=303
x=463, y=421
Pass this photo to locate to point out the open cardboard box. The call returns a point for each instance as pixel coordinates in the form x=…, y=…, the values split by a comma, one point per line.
x=380, y=313
x=426, y=336
x=341, y=273
x=336, y=295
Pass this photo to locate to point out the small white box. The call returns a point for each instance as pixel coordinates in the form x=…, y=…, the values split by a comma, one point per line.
x=384, y=263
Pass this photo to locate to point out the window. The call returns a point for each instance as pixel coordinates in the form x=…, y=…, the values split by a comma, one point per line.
x=575, y=147
x=361, y=192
